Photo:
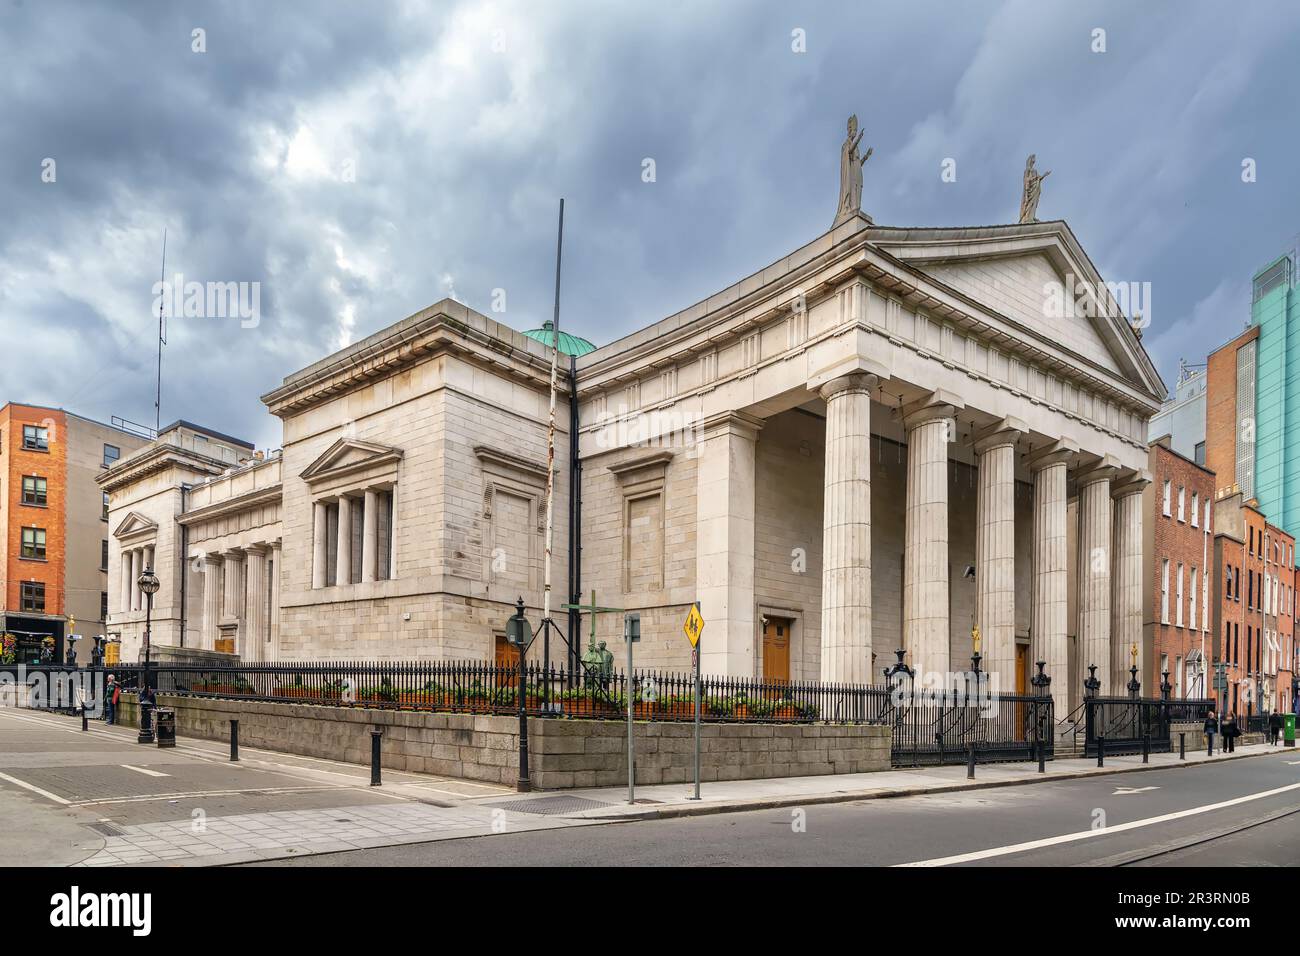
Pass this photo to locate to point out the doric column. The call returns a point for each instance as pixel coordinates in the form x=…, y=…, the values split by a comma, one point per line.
x=995, y=551
x=253, y=634
x=1095, y=559
x=137, y=557
x=125, y=594
x=320, y=546
x=230, y=609
x=275, y=602
x=930, y=427
x=343, y=568
x=1126, y=592
x=369, y=536
x=724, y=542
x=846, y=524
x=211, y=600
x=1049, y=622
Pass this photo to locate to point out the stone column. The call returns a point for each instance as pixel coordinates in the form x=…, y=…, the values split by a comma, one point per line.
x=724, y=542
x=211, y=600
x=125, y=604
x=1126, y=592
x=343, y=567
x=137, y=556
x=230, y=599
x=274, y=648
x=995, y=552
x=1095, y=560
x=1049, y=622
x=253, y=634
x=370, y=536
x=930, y=427
x=320, y=547
x=846, y=538
x=149, y=558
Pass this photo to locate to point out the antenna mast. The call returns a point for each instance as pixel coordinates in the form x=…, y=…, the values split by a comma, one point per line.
x=162, y=336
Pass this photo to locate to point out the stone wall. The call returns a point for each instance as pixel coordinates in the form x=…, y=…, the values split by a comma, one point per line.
x=563, y=753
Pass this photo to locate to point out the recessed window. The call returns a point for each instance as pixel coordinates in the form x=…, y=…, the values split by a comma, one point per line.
x=34, y=543
x=36, y=438
x=111, y=454
x=1166, y=499
x=103, y=555
x=33, y=596
x=103, y=605
x=33, y=490
x=105, y=515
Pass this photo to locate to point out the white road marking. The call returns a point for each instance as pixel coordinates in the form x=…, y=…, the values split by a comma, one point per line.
x=1123, y=791
x=145, y=770
x=27, y=786
x=1089, y=834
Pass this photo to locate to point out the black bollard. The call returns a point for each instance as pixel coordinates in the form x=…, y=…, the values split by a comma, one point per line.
x=234, y=740
x=1182, y=746
x=84, y=725
x=970, y=761
x=375, y=736
x=1209, y=745
x=1146, y=747
x=1101, y=750
x=1042, y=756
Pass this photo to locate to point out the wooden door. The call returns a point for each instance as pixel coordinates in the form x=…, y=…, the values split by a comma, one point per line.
x=776, y=649
x=1022, y=668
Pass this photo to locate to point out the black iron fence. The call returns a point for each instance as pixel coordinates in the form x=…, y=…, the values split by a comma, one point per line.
x=1132, y=724
x=947, y=727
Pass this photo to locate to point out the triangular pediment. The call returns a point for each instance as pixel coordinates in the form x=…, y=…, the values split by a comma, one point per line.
x=347, y=455
x=135, y=524
x=1036, y=275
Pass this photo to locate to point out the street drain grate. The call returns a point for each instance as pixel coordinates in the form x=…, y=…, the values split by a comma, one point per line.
x=550, y=806
x=107, y=829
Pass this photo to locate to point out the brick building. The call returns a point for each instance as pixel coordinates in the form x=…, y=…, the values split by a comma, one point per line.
x=54, y=519
x=1177, y=552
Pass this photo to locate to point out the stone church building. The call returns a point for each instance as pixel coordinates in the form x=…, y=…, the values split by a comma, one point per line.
x=885, y=439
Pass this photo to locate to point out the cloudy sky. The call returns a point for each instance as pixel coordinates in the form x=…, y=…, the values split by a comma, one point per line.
x=361, y=161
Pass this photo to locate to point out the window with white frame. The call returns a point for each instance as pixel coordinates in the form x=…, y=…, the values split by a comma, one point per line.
x=1166, y=494
x=1182, y=503
x=1196, y=510
x=1191, y=615
x=1178, y=613
x=1164, y=591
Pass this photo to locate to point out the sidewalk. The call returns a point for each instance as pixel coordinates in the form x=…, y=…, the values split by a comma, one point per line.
x=665, y=801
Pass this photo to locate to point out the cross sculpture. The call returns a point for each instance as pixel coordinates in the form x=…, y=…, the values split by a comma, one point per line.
x=598, y=661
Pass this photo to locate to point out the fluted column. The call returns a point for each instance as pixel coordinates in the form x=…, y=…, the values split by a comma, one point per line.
x=343, y=569
x=995, y=552
x=846, y=523
x=930, y=427
x=234, y=561
x=137, y=557
x=1126, y=593
x=125, y=594
x=1049, y=622
x=1095, y=523
x=211, y=600
x=724, y=542
x=275, y=602
x=369, y=536
x=253, y=636
x=320, y=546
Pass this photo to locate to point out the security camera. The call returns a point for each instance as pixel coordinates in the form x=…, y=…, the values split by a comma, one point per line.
x=969, y=572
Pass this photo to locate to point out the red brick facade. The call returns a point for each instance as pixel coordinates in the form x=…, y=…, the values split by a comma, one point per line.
x=1179, y=625
x=1221, y=410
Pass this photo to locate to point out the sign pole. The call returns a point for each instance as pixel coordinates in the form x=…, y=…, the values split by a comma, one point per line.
x=698, y=705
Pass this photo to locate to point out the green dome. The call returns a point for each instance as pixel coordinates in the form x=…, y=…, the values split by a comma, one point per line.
x=569, y=344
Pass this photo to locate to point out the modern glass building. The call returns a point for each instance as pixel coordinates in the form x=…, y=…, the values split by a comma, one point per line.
x=1275, y=310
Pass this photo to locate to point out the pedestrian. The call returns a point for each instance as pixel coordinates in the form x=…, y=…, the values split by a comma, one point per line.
x=1211, y=728
x=1274, y=727
x=1230, y=731
x=112, y=692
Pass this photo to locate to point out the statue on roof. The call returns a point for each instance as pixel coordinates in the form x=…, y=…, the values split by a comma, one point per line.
x=851, y=173
x=1033, y=191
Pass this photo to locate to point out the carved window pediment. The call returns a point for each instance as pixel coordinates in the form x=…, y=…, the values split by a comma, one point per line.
x=135, y=526
x=348, y=461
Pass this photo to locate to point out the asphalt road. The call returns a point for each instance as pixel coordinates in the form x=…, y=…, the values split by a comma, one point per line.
x=1154, y=818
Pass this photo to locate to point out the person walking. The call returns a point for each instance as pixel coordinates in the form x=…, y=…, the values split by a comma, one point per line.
x=1230, y=731
x=1274, y=727
x=112, y=692
x=1211, y=728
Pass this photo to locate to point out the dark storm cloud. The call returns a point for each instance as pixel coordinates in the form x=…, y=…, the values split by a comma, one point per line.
x=360, y=161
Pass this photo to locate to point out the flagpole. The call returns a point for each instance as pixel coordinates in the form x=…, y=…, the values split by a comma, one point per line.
x=162, y=284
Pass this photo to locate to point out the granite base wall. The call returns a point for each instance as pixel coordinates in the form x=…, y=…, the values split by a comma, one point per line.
x=562, y=753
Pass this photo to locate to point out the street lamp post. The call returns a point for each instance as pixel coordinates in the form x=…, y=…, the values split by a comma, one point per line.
x=149, y=585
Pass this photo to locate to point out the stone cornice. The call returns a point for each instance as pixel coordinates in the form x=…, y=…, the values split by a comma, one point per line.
x=446, y=327
x=250, y=499
x=509, y=462
x=156, y=458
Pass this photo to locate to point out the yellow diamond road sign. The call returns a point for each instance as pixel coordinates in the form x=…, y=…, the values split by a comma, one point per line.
x=694, y=625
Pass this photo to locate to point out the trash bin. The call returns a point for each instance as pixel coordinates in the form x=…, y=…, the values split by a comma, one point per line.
x=1288, y=730
x=165, y=726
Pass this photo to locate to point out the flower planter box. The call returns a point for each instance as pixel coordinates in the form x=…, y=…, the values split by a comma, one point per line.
x=585, y=707
x=787, y=712
x=226, y=690
x=308, y=693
